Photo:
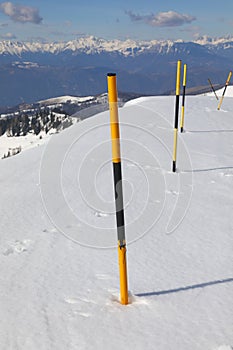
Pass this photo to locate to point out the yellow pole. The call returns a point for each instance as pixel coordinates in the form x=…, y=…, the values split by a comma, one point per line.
x=116, y=160
x=227, y=82
x=176, y=115
x=123, y=274
x=183, y=99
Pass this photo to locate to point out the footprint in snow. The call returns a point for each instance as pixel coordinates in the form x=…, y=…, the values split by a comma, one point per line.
x=72, y=301
x=131, y=165
x=102, y=276
x=101, y=214
x=17, y=247
x=227, y=174
x=79, y=300
x=81, y=306
x=52, y=230
x=150, y=167
x=174, y=193
x=83, y=314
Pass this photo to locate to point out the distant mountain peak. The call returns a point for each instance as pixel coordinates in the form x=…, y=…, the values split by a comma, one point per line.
x=207, y=40
x=90, y=44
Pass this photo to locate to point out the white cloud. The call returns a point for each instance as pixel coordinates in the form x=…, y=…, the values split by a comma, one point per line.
x=8, y=36
x=162, y=19
x=20, y=13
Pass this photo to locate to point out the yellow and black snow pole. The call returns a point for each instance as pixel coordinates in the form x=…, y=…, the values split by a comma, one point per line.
x=116, y=159
x=176, y=115
x=227, y=82
x=183, y=99
x=211, y=85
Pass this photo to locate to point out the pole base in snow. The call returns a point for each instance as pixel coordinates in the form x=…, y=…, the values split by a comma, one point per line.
x=174, y=166
x=181, y=129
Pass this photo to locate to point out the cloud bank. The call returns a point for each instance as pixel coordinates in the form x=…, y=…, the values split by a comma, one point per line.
x=20, y=13
x=162, y=19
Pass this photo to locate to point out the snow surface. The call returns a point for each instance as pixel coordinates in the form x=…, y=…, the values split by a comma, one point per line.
x=58, y=257
x=228, y=93
x=24, y=142
x=64, y=99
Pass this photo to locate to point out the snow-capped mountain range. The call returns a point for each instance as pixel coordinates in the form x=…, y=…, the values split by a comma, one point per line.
x=31, y=71
x=92, y=45
x=87, y=45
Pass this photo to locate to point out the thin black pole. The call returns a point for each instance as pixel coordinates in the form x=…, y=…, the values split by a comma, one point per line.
x=211, y=85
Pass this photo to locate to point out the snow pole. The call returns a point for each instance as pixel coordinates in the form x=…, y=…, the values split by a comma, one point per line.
x=183, y=98
x=176, y=115
x=116, y=160
x=211, y=85
x=227, y=82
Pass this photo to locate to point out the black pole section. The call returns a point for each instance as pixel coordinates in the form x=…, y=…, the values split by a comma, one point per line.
x=175, y=133
x=119, y=203
x=211, y=85
x=183, y=102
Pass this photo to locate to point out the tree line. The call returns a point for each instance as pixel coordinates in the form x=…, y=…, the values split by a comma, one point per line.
x=23, y=123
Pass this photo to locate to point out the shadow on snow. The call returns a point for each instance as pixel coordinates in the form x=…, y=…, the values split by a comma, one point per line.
x=206, y=170
x=183, y=289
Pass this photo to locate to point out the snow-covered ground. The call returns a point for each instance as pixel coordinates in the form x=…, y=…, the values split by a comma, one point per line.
x=9, y=145
x=59, y=269
x=64, y=99
x=228, y=93
x=24, y=142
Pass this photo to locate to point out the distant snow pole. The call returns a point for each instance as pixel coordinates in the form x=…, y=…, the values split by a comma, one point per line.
x=116, y=159
x=176, y=115
x=211, y=85
x=183, y=98
x=227, y=82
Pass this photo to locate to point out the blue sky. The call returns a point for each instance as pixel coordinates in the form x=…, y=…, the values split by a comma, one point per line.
x=50, y=20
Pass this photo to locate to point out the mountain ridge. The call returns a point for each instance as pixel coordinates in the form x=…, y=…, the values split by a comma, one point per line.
x=36, y=71
x=92, y=44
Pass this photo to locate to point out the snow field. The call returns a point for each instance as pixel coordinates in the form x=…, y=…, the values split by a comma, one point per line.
x=59, y=269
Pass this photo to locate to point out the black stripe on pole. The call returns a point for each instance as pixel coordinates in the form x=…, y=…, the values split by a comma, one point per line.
x=183, y=99
x=211, y=85
x=177, y=112
x=223, y=94
x=174, y=166
x=183, y=102
x=119, y=203
x=176, y=128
